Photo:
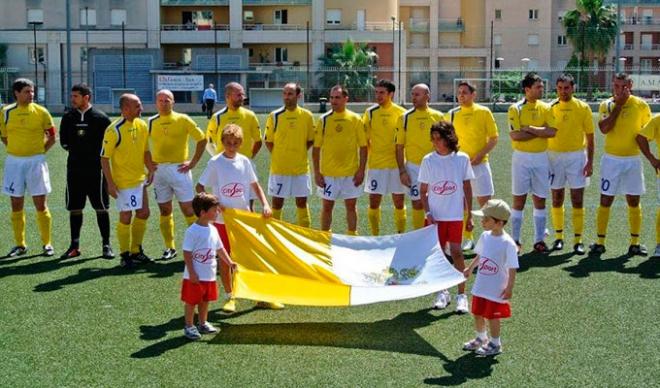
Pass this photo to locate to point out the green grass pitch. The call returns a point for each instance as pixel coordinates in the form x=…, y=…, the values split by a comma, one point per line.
x=577, y=321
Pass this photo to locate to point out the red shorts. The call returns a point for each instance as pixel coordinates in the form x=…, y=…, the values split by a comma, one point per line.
x=489, y=309
x=450, y=232
x=192, y=293
x=222, y=231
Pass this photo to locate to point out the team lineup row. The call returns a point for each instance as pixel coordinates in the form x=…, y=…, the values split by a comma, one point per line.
x=552, y=148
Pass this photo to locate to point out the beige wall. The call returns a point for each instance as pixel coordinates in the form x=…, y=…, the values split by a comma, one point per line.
x=474, y=18
x=296, y=52
x=295, y=15
x=377, y=11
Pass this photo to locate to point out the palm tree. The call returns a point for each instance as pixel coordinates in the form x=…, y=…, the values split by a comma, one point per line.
x=350, y=65
x=592, y=29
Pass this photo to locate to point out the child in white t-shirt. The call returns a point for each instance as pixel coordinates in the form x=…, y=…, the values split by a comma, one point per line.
x=201, y=246
x=497, y=261
x=445, y=188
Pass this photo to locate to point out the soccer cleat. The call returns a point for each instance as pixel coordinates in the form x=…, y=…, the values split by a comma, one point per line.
x=17, y=251
x=229, y=306
x=541, y=247
x=468, y=245
x=270, y=305
x=70, y=253
x=657, y=251
x=107, y=252
x=558, y=245
x=126, y=260
x=168, y=254
x=48, y=250
x=207, y=328
x=488, y=349
x=637, y=250
x=192, y=333
x=579, y=249
x=474, y=344
x=141, y=257
x=597, y=249
x=443, y=300
x=462, y=304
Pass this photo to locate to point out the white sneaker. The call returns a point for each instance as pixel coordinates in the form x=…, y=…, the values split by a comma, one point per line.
x=443, y=300
x=462, y=304
x=657, y=251
x=468, y=245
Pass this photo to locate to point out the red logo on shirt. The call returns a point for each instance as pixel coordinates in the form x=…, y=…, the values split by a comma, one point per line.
x=488, y=267
x=444, y=188
x=203, y=255
x=232, y=190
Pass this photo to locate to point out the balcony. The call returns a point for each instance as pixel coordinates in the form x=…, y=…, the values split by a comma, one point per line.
x=418, y=25
x=649, y=46
x=451, y=25
x=166, y=3
x=274, y=27
x=277, y=2
x=641, y=21
x=188, y=27
x=185, y=34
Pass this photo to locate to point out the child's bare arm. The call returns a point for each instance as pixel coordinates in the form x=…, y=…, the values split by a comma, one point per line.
x=267, y=212
x=473, y=264
x=187, y=259
x=224, y=257
x=467, y=192
x=508, y=291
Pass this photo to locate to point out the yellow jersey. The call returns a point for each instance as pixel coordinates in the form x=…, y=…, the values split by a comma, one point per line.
x=634, y=115
x=474, y=126
x=125, y=143
x=169, y=137
x=24, y=127
x=340, y=136
x=244, y=118
x=289, y=131
x=573, y=120
x=413, y=132
x=380, y=126
x=525, y=113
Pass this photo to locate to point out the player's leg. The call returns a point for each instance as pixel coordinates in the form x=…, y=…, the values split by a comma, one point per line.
x=602, y=220
x=517, y=209
x=18, y=226
x=454, y=238
x=418, y=216
x=577, y=202
x=100, y=201
x=376, y=186
x=166, y=223
x=610, y=171
x=398, y=200
x=657, y=219
x=635, y=222
x=521, y=184
x=139, y=228
x=302, y=212
x=277, y=204
x=188, y=212
x=558, y=217
x=165, y=182
x=182, y=185
x=124, y=237
x=75, y=197
x=44, y=222
x=540, y=220
x=300, y=187
x=373, y=214
x=37, y=181
x=326, y=214
x=351, y=215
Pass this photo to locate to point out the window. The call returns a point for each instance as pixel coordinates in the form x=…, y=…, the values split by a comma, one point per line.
x=41, y=56
x=646, y=64
x=647, y=16
x=533, y=14
x=498, y=14
x=561, y=40
x=86, y=14
x=117, y=17
x=281, y=55
x=333, y=17
x=186, y=56
x=35, y=15
x=497, y=40
x=248, y=16
x=281, y=16
x=533, y=39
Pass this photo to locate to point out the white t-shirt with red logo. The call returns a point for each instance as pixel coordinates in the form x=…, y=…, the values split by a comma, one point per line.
x=230, y=180
x=497, y=254
x=203, y=242
x=445, y=175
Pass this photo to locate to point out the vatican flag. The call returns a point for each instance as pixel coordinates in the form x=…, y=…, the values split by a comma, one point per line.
x=290, y=264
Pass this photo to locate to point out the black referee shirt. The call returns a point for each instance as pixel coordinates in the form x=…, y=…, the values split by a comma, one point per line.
x=82, y=135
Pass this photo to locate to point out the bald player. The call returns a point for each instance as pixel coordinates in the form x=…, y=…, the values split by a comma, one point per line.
x=169, y=133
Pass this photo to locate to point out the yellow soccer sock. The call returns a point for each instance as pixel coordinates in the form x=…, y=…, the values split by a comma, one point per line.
x=44, y=221
x=467, y=234
x=635, y=221
x=138, y=228
x=418, y=218
x=400, y=219
x=558, y=221
x=578, y=224
x=277, y=214
x=166, y=230
x=18, y=225
x=374, y=220
x=352, y=233
x=124, y=237
x=602, y=219
x=302, y=214
x=191, y=219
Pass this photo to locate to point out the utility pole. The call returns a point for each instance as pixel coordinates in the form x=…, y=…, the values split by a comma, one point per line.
x=68, y=48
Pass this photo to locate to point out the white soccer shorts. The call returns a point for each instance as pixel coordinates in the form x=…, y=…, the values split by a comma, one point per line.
x=529, y=173
x=568, y=168
x=413, y=173
x=26, y=172
x=621, y=175
x=384, y=181
x=168, y=182
x=289, y=186
x=482, y=184
x=130, y=199
x=339, y=188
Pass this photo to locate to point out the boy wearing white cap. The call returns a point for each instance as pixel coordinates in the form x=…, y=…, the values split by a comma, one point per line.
x=497, y=261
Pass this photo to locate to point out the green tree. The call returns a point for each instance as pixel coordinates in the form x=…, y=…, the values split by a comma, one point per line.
x=351, y=65
x=591, y=29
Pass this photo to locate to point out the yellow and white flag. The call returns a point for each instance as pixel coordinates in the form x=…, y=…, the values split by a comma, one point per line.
x=281, y=262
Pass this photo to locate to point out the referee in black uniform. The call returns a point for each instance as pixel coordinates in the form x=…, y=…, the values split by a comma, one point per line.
x=81, y=134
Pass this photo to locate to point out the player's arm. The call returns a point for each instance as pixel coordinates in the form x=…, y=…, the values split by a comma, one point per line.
x=3, y=130
x=187, y=259
x=358, y=178
x=401, y=163
x=270, y=133
x=200, y=146
x=520, y=135
x=256, y=136
x=543, y=132
x=256, y=147
x=150, y=165
x=64, y=133
x=479, y=157
x=50, y=138
x=589, y=167
x=643, y=144
x=107, y=172
x=316, y=162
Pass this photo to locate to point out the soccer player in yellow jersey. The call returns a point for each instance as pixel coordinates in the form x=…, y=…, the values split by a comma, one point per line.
x=477, y=135
x=620, y=119
x=652, y=132
x=340, y=158
x=383, y=175
x=125, y=159
x=289, y=135
x=570, y=163
x=28, y=132
x=169, y=132
x=531, y=125
x=413, y=143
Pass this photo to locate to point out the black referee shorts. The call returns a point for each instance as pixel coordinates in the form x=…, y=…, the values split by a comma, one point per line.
x=86, y=183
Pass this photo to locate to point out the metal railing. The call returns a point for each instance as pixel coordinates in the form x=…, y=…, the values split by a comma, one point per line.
x=449, y=25
x=193, y=27
x=273, y=27
x=418, y=25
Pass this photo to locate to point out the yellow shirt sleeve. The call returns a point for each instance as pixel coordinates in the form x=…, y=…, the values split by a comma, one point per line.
x=650, y=130
x=270, y=131
x=491, y=125
x=588, y=123
x=646, y=113
x=109, y=142
x=549, y=117
x=47, y=119
x=3, y=129
x=514, y=118
x=367, y=124
x=255, y=131
x=361, y=135
x=310, y=127
x=318, y=136
x=193, y=130
x=400, y=131
x=212, y=129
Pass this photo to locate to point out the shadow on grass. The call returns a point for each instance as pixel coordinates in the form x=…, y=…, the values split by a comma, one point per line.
x=647, y=269
x=155, y=269
x=539, y=260
x=595, y=263
x=38, y=266
x=465, y=368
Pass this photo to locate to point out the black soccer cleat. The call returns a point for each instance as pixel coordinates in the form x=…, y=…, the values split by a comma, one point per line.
x=107, y=252
x=637, y=250
x=541, y=247
x=597, y=249
x=168, y=254
x=558, y=245
x=126, y=260
x=579, y=249
x=70, y=253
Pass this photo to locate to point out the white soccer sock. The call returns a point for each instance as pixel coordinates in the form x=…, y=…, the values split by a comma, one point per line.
x=539, y=224
x=483, y=335
x=516, y=223
x=496, y=341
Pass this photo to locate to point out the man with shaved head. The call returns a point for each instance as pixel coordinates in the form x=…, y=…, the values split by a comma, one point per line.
x=169, y=132
x=413, y=142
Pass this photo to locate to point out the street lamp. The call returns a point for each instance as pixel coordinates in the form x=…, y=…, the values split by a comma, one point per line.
x=622, y=61
x=36, y=55
x=393, y=18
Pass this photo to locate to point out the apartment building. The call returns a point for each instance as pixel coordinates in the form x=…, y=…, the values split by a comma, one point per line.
x=639, y=42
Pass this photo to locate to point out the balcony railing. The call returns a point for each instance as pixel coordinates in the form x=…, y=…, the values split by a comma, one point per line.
x=273, y=27
x=649, y=46
x=418, y=25
x=449, y=25
x=277, y=2
x=193, y=27
x=376, y=26
x=194, y=2
x=641, y=21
